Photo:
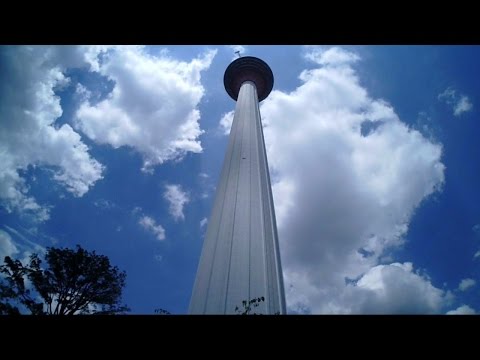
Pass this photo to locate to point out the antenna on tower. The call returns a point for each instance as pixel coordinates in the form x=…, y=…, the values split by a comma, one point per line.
x=238, y=53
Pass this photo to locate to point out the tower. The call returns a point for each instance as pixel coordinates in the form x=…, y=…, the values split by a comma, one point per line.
x=240, y=258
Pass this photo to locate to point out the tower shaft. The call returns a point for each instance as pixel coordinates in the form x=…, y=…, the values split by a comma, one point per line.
x=240, y=258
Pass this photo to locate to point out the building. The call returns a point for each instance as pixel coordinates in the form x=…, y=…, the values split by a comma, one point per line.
x=240, y=258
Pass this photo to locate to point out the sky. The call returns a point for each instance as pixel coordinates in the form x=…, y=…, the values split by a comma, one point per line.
x=373, y=156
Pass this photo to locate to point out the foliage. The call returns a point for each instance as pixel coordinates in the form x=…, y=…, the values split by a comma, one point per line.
x=248, y=306
x=6, y=295
x=75, y=282
x=162, y=312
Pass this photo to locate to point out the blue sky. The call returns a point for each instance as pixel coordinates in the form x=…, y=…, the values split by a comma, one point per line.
x=373, y=155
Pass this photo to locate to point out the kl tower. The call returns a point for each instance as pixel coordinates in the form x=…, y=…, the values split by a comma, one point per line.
x=240, y=258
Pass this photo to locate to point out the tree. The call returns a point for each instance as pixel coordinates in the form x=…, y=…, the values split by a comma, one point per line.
x=161, y=311
x=248, y=306
x=5, y=307
x=75, y=282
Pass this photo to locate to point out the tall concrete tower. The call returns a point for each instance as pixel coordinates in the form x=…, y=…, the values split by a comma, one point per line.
x=240, y=258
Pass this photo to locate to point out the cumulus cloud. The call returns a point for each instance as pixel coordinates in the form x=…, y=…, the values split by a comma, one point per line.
x=396, y=288
x=82, y=92
x=7, y=246
x=150, y=225
x=347, y=176
x=462, y=310
x=226, y=122
x=153, y=105
x=466, y=284
x=383, y=289
x=177, y=199
x=460, y=103
x=29, y=136
x=427, y=126
x=332, y=56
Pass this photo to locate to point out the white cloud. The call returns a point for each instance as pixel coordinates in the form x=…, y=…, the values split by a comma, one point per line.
x=203, y=222
x=466, y=284
x=177, y=199
x=448, y=95
x=226, y=122
x=153, y=106
x=395, y=288
x=332, y=56
x=7, y=246
x=463, y=105
x=383, y=289
x=21, y=236
x=82, y=92
x=18, y=244
x=427, y=126
x=462, y=310
x=104, y=204
x=35, y=234
x=240, y=48
x=136, y=210
x=29, y=135
x=149, y=224
x=459, y=103
x=206, y=184
x=347, y=176
x=476, y=229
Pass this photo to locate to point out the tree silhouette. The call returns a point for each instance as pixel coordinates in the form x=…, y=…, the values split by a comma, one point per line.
x=161, y=311
x=248, y=306
x=75, y=282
